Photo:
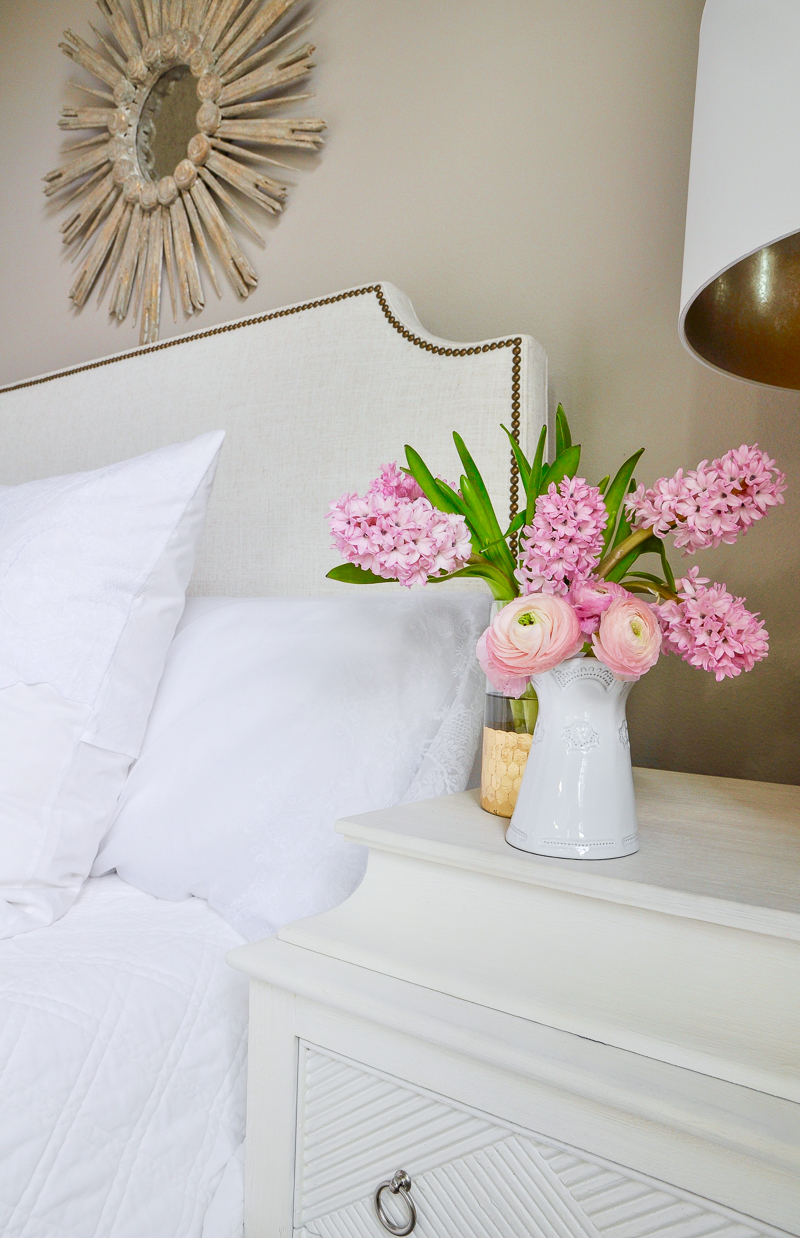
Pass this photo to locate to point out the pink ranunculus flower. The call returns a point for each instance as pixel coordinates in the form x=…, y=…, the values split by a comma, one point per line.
x=591, y=597
x=528, y=636
x=629, y=639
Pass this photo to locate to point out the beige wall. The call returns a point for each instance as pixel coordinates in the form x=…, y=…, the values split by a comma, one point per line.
x=519, y=165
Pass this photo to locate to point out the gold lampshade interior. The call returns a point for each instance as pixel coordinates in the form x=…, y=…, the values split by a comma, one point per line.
x=747, y=320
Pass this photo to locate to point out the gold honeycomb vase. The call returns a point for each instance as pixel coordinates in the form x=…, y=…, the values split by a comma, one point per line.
x=507, y=731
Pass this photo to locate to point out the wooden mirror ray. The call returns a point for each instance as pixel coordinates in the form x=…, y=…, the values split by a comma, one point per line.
x=185, y=112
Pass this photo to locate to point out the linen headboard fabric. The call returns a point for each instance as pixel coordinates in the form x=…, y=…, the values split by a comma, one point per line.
x=314, y=398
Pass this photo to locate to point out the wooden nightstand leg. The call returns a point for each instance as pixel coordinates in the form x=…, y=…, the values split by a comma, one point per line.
x=271, y=1113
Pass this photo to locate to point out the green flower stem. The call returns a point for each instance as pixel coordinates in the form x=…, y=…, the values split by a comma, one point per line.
x=663, y=592
x=624, y=548
x=525, y=711
x=531, y=708
x=504, y=588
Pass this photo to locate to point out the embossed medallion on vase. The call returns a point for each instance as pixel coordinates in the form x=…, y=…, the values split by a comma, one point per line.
x=576, y=797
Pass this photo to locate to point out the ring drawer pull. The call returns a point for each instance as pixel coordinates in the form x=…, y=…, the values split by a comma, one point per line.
x=399, y=1185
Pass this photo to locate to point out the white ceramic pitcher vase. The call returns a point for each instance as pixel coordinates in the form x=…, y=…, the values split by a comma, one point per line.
x=576, y=799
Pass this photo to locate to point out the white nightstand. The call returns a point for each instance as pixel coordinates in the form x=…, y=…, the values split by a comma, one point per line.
x=565, y=1049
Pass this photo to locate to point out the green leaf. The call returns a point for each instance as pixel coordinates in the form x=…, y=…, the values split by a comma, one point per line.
x=522, y=463
x=636, y=586
x=503, y=588
x=515, y=526
x=490, y=540
x=645, y=582
x=478, y=499
x=536, y=477
x=665, y=563
x=441, y=496
x=623, y=530
x=564, y=465
x=476, y=483
x=656, y=580
x=563, y=436
x=449, y=496
x=614, y=496
x=624, y=527
x=475, y=512
x=352, y=574
x=651, y=546
x=601, y=485
x=427, y=483
x=616, y=574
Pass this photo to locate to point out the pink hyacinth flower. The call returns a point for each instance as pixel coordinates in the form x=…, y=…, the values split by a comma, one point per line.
x=713, y=504
x=565, y=540
x=394, y=532
x=392, y=482
x=711, y=629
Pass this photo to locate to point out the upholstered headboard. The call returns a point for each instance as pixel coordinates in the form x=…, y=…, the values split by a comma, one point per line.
x=314, y=397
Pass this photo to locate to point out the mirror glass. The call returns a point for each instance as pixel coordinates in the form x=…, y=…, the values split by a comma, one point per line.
x=167, y=123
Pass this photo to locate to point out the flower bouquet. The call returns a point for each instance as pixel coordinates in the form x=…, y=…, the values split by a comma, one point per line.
x=572, y=598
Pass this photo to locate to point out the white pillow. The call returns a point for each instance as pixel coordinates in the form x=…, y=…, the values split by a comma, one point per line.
x=276, y=716
x=93, y=575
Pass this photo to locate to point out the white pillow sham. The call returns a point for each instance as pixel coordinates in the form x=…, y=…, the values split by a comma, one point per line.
x=93, y=575
x=276, y=716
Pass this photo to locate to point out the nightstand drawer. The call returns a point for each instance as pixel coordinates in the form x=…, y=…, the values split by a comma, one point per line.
x=472, y=1175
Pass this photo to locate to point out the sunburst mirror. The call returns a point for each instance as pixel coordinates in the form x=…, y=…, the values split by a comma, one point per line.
x=190, y=85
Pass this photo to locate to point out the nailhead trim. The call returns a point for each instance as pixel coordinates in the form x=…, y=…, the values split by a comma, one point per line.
x=514, y=343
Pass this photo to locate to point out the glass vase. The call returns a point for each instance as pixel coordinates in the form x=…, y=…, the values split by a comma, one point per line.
x=508, y=726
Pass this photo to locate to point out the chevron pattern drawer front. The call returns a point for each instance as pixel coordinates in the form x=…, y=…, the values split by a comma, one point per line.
x=473, y=1177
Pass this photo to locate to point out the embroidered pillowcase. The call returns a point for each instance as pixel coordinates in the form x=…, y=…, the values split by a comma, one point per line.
x=274, y=717
x=93, y=574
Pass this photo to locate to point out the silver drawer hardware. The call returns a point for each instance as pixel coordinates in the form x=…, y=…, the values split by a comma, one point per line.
x=399, y=1185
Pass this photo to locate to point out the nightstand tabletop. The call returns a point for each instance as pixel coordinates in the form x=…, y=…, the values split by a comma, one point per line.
x=718, y=849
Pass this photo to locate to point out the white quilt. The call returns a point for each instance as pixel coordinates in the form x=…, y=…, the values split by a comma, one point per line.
x=122, y=1072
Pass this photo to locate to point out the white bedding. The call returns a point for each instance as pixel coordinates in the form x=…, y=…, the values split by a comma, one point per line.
x=122, y=1060
x=277, y=716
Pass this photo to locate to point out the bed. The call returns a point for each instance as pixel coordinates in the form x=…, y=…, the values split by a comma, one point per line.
x=122, y=1030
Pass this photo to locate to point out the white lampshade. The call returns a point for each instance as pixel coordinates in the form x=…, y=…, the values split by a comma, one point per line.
x=740, y=300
